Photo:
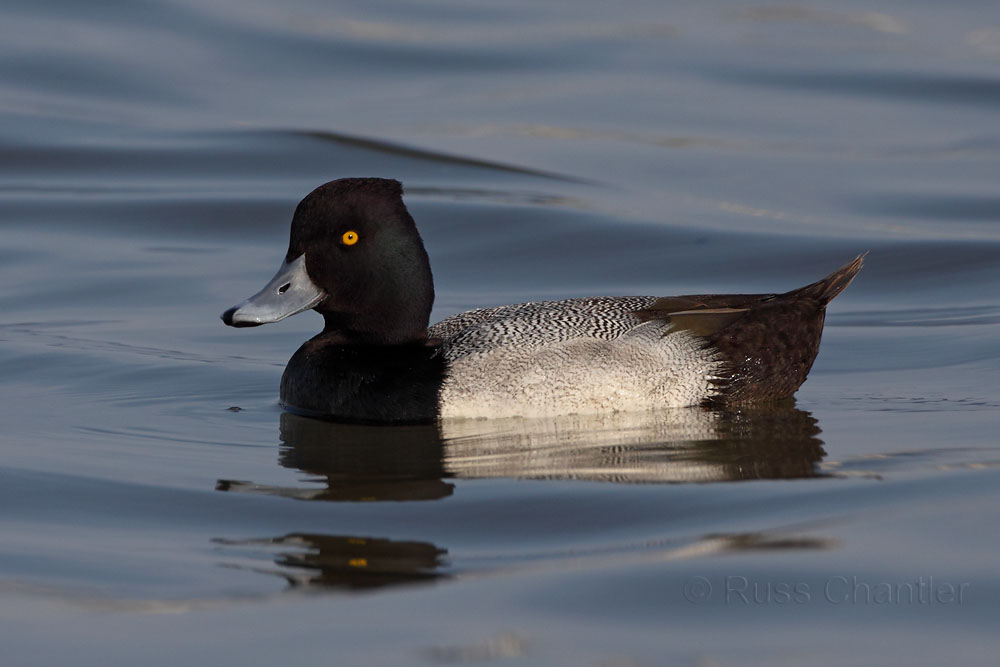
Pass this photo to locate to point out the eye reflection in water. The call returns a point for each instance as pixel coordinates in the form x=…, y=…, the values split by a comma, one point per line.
x=362, y=463
x=352, y=563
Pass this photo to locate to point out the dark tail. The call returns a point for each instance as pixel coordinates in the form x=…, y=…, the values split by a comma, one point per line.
x=826, y=289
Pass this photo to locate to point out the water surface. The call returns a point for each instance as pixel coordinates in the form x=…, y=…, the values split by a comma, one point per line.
x=157, y=505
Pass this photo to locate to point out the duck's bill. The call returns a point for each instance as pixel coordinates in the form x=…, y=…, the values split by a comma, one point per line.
x=290, y=291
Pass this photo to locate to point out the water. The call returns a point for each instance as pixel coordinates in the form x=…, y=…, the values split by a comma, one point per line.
x=158, y=507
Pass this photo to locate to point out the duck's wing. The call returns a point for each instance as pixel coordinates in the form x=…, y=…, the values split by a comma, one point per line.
x=577, y=356
x=535, y=324
x=707, y=315
x=702, y=314
x=767, y=341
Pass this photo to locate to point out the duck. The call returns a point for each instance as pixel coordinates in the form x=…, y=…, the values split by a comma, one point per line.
x=355, y=256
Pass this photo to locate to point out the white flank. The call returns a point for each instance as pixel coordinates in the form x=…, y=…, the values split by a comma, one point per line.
x=647, y=368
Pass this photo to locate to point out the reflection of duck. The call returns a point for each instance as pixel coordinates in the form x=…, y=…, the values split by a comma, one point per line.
x=307, y=560
x=356, y=257
x=679, y=445
x=359, y=462
x=339, y=561
x=355, y=462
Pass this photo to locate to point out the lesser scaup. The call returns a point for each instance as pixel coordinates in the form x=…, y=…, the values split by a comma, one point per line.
x=355, y=256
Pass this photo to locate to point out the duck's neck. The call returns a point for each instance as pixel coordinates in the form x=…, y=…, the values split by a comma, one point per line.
x=394, y=312
x=354, y=329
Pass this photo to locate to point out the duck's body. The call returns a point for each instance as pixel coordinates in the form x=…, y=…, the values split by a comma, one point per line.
x=377, y=360
x=578, y=356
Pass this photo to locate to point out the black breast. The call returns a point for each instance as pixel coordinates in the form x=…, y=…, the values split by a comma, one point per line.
x=367, y=383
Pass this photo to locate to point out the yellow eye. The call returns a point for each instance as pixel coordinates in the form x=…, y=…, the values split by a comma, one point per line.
x=349, y=238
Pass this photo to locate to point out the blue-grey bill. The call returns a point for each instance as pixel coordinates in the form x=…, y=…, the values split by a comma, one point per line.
x=290, y=291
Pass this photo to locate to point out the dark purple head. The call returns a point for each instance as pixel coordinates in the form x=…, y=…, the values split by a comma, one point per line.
x=355, y=256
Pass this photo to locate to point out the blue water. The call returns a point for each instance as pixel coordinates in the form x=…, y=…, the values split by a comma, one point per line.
x=158, y=508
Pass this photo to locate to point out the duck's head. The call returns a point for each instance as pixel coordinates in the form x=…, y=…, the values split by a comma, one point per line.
x=355, y=257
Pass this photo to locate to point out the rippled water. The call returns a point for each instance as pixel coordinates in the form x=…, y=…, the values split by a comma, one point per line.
x=158, y=507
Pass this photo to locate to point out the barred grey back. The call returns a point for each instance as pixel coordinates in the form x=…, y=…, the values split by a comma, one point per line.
x=534, y=324
x=579, y=356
